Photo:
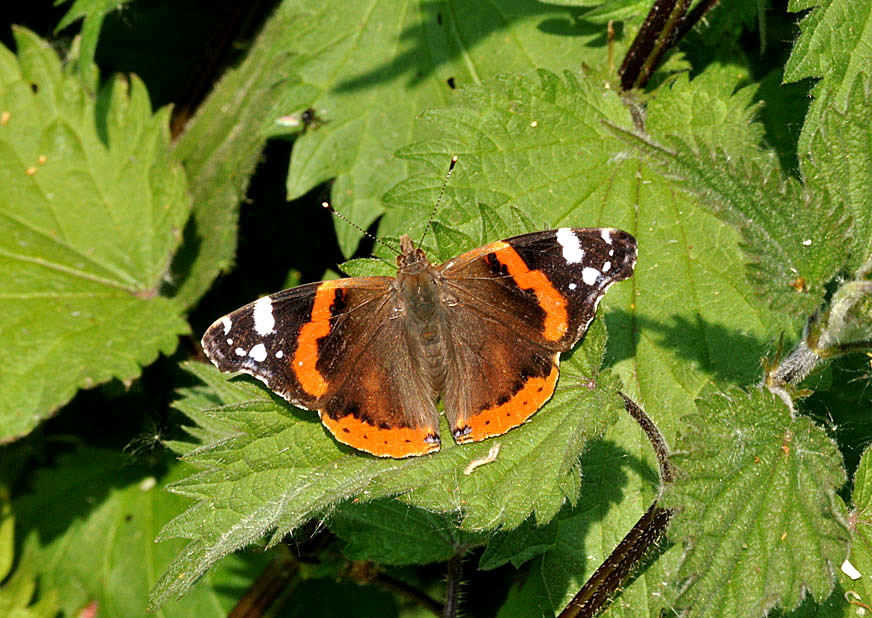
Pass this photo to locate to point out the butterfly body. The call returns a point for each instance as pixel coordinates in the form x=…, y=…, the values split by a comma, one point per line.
x=483, y=332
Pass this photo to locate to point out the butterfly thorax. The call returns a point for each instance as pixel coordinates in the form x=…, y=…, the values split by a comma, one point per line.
x=423, y=313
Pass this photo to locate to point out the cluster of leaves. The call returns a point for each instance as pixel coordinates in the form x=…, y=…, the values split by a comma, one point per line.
x=112, y=234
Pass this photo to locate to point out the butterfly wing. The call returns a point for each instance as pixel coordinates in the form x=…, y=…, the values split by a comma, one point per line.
x=333, y=347
x=532, y=297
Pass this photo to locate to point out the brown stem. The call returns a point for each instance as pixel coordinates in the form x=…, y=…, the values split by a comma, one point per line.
x=612, y=573
x=452, y=586
x=274, y=582
x=666, y=23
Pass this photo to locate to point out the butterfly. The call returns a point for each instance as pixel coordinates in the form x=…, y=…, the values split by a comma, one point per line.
x=483, y=331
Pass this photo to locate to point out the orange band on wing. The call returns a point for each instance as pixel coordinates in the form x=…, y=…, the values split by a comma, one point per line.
x=499, y=419
x=552, y=302
x=306, y=355
x=399, y=442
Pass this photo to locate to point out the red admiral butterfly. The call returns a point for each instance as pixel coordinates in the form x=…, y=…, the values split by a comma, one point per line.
x=483, y=331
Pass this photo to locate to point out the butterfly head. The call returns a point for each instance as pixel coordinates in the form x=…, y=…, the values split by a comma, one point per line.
x=411, y=260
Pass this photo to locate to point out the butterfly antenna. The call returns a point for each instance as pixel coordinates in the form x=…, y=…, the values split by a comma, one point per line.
x=383, y=243
x=438, y=200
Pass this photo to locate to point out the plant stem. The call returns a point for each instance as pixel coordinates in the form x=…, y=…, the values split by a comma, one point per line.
x=275, y=582
x=452, y=587
x=610, y=575
x=666, y=23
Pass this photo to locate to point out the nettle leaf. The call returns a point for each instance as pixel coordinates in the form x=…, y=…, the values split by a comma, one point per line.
x=195, y=402
x=715, y=109
x=755, y=507
x=90, y=214
x=283, y=468
x=834, y=44
x=854, y=574
x=389, y=532
x=222, y=145
x=18, y=588
x=840, y=160
x=613, y=497
x=793, y=235
x=519, y=545
x=536, y=147
x=407, y=58
x=92, y=12
x=368, y=267
x=89, y=526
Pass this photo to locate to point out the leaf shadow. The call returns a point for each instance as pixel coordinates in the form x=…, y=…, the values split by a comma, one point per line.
x=80, y=483
x=726, y=353
x=604, y=468
x=437, y=23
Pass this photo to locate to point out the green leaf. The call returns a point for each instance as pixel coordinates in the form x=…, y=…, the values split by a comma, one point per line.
x=368, y=267
x=839, y=160
x=283, y=468
x=626, y=10
x=835, y=44
x=89, y=527
x=519, y=545
x=93, y=12
x=534, y=154
x=222, y=145
x=195, y=403
x=540, y=155
x=854, y=574
x=90, y=213
x=619, y=484
x=755, y=507
x=449, y=241
x=388, y=61
x=536, y=147
x=18, y=589
x=7, y=533
x=718, y=107
x=793, y=235
x=389, y=532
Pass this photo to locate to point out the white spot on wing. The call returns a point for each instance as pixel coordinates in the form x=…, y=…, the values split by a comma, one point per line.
x=573, y=285
x=606, y=233
x=607, y=267
x=229, y=341
x=227, y=324
x=280, y=354
x=264, y=322
x=572, y=251
x=240, y=352
x=589, y=275
x=258, y=353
